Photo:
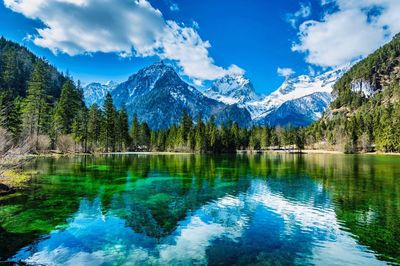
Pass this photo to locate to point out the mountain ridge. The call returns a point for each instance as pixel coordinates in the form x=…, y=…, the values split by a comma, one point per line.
x=159, y=97
x=235, y=94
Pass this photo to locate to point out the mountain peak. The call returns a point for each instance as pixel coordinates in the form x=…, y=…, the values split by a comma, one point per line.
x=155, y=70
x=231, y=89
x=111, y=83
x=236, y=81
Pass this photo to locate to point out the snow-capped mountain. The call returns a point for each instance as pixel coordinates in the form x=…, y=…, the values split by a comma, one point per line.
x=232, y=89
x=306, y=95
x=296, y=88
x=299, y=112
x=95, y=92
x=159, y=96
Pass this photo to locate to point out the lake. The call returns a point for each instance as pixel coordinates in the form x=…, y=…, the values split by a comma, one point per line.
x=139, y=209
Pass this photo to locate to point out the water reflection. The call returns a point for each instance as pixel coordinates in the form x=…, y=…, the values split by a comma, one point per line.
x=209, y=210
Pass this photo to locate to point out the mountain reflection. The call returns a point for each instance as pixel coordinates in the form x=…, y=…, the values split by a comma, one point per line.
x=207, y=210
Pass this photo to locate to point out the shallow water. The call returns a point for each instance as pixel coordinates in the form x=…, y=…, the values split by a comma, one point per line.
x=215, y=210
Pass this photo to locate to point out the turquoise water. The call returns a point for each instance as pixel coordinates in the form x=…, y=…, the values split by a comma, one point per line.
x=206, y=210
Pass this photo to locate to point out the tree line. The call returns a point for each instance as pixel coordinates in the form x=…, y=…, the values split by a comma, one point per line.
x=371, y=126
x=66, y=124
x=106, y=129
x=362, y=123
x=46, y=109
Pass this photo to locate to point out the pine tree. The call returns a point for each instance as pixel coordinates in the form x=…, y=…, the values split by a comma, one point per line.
x=235, y=135
x=299, y=138
x=185, y=128
x=80, y=128
x=35, y=106
x=135, y=132
x=265, y=137
x=95, y=125
x=9, y=69
x=10, y=115
x=200, y=135
x=67, y=108
x=144, y=136
x=211, y=134
x=109, y=127
x=122, y=129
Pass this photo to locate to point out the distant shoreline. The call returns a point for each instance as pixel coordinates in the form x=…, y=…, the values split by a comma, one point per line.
x=282, y=151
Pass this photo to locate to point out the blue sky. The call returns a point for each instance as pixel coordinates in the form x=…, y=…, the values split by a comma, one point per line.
x=100, y=40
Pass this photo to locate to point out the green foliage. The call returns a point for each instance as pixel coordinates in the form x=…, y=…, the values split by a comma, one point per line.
x=358, y=122
x=374, y=69
x=134, y=132
x=36, y=105
x=109, y=125
x=67, y=108
x=95, y=125
x=122, y=129
x=207, y=137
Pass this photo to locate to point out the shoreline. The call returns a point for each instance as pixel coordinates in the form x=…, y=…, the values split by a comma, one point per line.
x=13, y=179
x=272, y=151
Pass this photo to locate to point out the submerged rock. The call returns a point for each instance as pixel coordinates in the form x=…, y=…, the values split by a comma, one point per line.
x=4, y=189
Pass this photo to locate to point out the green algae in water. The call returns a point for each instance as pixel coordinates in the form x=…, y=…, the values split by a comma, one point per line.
x=192, y=209
x=99, y=167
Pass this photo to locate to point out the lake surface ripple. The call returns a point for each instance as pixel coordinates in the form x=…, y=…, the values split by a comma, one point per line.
x=206, y=210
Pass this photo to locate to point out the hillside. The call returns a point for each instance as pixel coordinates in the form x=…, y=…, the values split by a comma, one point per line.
x=365, y=114
x=16, y=67
x=38, y=104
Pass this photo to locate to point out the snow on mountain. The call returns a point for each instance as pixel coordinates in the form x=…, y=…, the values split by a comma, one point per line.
x=301, y=111
x=296, y=88
x=237, y=89
x=95, y=92
x=159, y=97
x=232, y=89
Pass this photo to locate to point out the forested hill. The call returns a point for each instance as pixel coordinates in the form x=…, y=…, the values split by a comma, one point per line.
x=16, y=66
x=365, y=114
x=37, y=102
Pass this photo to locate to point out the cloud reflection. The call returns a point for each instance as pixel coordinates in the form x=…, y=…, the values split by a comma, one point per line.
x=259, y=222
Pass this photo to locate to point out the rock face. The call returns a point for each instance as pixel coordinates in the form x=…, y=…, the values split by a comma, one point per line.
x=159, y=97
x=96, y=92
x=363, y=86
x=232, y=89
x=4, y=189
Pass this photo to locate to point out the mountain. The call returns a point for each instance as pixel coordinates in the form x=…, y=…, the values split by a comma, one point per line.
x=159, y=96
x=300, y=112
x=293, y=92
x=232, y=89
x=307, y=97
x=365, y=114
x=96, y=92
x=369, y=76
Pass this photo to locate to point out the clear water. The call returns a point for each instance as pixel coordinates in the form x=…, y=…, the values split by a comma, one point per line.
x=206, y=210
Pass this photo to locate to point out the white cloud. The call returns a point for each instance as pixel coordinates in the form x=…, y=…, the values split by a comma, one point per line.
x=303, y=12
x=174, y=7
x=285, y=72
x=354, y=30
x=195, y=25
x=311, y=71
x=126, y=27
